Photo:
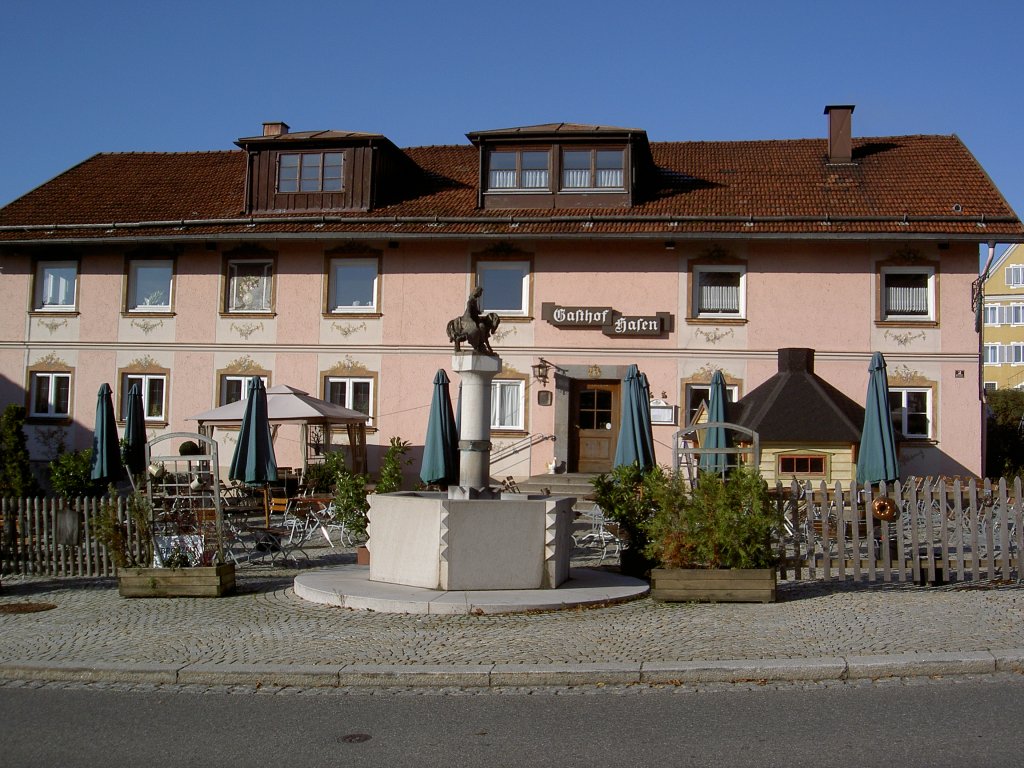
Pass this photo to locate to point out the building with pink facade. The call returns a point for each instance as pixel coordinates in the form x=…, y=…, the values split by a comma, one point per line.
x=332, y=261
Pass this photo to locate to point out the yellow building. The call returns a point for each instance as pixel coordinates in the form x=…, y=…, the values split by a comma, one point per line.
x=1003, y=332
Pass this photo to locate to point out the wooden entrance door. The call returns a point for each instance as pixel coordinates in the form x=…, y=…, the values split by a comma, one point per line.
x=594, y=425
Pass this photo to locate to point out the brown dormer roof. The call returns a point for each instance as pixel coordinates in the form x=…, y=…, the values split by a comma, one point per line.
x=900, y=186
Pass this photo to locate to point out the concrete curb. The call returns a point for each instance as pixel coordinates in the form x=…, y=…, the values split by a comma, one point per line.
x=524, y=675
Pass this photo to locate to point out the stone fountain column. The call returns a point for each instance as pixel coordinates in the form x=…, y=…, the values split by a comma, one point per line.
x=477, y=371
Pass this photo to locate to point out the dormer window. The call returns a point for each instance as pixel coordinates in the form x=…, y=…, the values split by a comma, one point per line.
x=518, y=170
x=593, y=169
x=310, y=172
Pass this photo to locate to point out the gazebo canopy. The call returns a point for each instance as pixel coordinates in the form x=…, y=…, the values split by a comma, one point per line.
x=288, y=405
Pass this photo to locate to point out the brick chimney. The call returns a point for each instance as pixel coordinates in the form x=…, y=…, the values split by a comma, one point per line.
x=840, y=139
x=275, y=129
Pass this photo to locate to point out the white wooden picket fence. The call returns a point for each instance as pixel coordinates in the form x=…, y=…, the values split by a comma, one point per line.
x=51, y=537
x=947, y=530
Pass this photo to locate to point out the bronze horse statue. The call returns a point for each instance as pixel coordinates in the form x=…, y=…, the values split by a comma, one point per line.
x=477, y=334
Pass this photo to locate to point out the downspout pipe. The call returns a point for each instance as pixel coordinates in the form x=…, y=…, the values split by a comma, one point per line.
x=982, y=395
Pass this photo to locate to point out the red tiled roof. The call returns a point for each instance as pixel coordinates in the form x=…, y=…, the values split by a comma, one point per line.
x=898, y=186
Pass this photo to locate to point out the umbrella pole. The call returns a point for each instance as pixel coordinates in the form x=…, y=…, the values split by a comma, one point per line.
x=266, y=503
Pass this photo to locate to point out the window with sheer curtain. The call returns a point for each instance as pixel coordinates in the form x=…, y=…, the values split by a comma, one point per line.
x=507, y=404
x=719, y=291
x=517, y=170
x=593, y=169
x=908, y=293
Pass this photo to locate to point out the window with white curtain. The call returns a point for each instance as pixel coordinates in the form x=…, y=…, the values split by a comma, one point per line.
x=908, y=293
x=518, y=170
x=719, y=291
x=593, y=169
x=507, y=404
x=56, y=283
x=1015, y=275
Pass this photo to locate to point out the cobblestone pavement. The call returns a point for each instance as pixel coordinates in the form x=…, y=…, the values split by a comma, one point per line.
x=266, y=624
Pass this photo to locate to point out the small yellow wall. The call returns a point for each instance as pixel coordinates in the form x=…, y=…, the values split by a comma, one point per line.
x=840, y=465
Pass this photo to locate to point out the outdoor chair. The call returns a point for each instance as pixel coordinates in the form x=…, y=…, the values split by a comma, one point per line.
x=600, y=534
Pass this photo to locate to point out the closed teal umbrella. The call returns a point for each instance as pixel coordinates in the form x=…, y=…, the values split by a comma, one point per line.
x=636, y=440
x=441, y=447
x=106, y=450
x=254, y=461
x=876, y=458
x=135, y=433
x=715, y=437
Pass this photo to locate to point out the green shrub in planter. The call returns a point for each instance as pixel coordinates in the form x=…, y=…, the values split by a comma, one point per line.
x=627, y=497
x=717, y=524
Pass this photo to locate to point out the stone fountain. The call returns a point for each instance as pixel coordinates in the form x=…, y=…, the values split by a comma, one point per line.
x=474, y=537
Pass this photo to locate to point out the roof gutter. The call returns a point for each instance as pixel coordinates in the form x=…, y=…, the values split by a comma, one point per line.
x=252, y=221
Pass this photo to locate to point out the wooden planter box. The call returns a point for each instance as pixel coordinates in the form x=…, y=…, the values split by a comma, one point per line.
x=205, y=581
x=738, y=585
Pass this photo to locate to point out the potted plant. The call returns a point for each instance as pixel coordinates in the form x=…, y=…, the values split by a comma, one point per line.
x=627, y=496
x=129, y=543
x=716, y=541
x=351, y=506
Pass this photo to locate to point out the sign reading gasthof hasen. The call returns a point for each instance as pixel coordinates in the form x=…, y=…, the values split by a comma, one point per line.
x=629, y=325
x=609, y=320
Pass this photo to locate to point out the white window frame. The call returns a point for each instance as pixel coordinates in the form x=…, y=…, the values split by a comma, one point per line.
x=991, y=385
x=929, y=272
x=46, y=290
x=50, y=377
x=697, y=393
x=993, y=354
x=267, y=290
x=707, y=269
x=928, y=412
x=516, y=390
x=349, y=381
x=523, y=267
x=995, y=314
x=149, y=303
x=145, y=380
x=243, y=380
x=335, y=280
x=1015, y=275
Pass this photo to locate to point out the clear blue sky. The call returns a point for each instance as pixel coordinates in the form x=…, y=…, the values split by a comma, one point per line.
x=80, y=78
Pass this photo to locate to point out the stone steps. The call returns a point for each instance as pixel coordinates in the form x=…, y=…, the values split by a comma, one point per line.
x=574, y=484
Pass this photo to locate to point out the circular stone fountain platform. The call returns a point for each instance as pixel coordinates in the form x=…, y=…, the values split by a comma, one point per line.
x=349, y=586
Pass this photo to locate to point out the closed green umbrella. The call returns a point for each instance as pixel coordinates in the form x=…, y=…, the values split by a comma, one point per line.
x=715, y=437
x=135, y=433
x=636, y=440
x=876, y=458
x=254, y=461
x=106, y=450
x=441, y=447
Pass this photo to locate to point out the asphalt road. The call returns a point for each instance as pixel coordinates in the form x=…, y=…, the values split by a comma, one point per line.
x=918, y=722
